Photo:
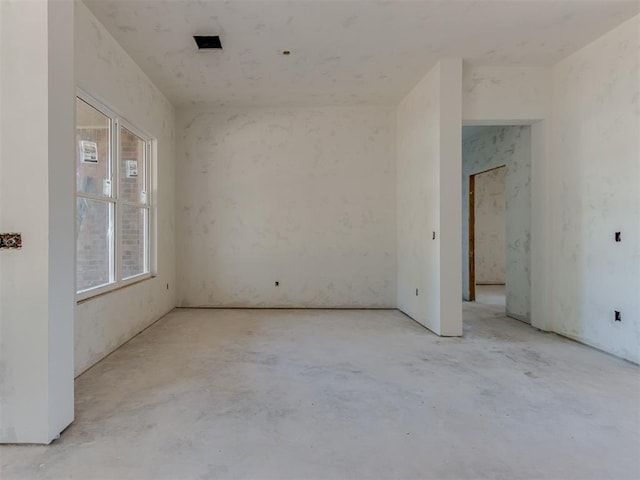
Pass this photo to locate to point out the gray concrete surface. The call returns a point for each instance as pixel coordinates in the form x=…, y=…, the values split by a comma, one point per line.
x=291, y=394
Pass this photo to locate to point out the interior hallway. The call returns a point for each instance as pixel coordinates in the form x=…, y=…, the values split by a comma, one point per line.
x=345, y=394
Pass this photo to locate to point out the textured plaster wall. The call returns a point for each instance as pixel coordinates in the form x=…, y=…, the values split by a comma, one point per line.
x=418, y=202
x=490, y=227
x=305, y=197
x=104, y=70
x=428, y=156
x=509, y=146
x=492, y=95
x=595, y=191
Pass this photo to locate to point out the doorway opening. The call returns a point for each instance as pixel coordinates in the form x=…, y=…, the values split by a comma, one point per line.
x=496, y=218
x=487, y=227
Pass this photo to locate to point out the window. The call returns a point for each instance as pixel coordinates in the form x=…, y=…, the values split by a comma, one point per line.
x=112, y=200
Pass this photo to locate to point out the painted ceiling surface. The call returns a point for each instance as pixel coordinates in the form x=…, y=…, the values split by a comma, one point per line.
x=343, y=52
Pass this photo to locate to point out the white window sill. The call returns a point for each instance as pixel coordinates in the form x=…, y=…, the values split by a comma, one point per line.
x=88, y=295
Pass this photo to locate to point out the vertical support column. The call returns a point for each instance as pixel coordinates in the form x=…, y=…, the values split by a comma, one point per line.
x=450, y=197
x=541, y=316
x=36, y=200
x=62, y=246
x=429, y=173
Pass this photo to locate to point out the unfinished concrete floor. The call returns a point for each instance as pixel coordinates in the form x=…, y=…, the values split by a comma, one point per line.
x=294, y=394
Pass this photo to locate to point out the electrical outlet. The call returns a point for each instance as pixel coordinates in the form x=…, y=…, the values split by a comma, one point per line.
x=277, y=284
x=416, y=292
x=617, y=316
x=11, y=240
x=618, y=236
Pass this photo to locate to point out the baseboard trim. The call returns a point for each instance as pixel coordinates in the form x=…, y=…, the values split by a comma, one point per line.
x=216, y=307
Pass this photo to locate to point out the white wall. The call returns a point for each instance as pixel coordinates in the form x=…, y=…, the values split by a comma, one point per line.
x=595, y=191
x=428, y=156
x=104, y=70
x=491, y=148
x=36, y=199
x=305, y=197
x=418, y=213
x=490, y=252
x=493, y=95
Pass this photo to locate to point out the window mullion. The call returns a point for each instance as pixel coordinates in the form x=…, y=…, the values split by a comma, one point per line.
x=118, y=206
x=129, y=203
x=99, y=198
x=147, y=198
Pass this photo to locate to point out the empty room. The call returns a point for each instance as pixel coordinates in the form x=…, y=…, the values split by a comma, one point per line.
x=319, y=239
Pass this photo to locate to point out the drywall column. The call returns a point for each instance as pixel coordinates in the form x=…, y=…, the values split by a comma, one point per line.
x=541, y=281
x=429, y=217
x=36, y=199
x=450, y=197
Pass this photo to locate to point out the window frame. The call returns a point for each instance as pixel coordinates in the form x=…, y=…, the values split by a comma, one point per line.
x=117, y=122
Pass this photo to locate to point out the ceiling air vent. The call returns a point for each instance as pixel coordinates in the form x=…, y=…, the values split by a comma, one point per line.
x=208, y=42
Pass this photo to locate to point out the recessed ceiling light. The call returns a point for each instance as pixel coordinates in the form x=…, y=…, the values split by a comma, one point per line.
x=208, y=42
x=286, y=52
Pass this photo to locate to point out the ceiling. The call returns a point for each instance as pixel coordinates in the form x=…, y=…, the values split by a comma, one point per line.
x=343, y=52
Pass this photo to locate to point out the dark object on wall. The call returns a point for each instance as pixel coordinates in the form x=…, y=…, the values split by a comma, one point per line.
x=10, y=240
x=208, y=42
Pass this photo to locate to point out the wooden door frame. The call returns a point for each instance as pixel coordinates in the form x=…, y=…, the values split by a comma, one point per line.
x=472, y=232
x=472, y=238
